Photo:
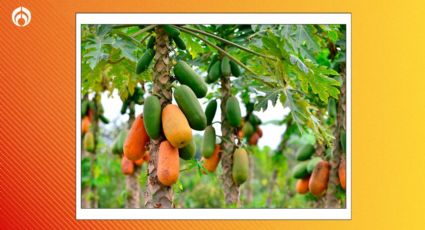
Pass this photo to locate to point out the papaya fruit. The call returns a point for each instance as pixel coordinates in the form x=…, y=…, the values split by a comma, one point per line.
x=255, y=120
x=84, y=108
x=305, y=152
x=147, y=156
x=175, y=126
x=236, y=72
x=253, y=140
x=151, y=42
x=300, y=170
x=240, y=166
x=247, y=129
x=118, y=145
x=138, y=162
x=89, y=142
x=214, y=73
x=171, y=31
x=152, y=116
x=211, y=163
x=137, y=138
x=259, y=131
x=341, y=173
x=210, y=111
x=168, y=164
x=302, y=185
x=312, y=163
x=214, y=59
x=103, y=119
x=124, y=107
x=188, y=151
x=233, y=112
x=85, y=124
x=179, y=43
x=208, y=142
x=187, y=76
x=145, y=61
x=319, y=178
x=127, y=166
x=332, y=107
x=190, y=106
x=343, y=141
x=137, y=96
x=225, y=67
x=240, y=134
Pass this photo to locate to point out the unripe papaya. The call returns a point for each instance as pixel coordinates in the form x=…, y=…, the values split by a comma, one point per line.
x=343, y=141
x=118, y=145
x=215, y=72
x=89, y=142
x=312, y=164
x=145, y=61
x=84, y=107
x=225, y=67
x=236, y=72
x=233, y=112
x=300, y=170
x=188, y=151
x=211, y=163
x=175, y=126
x=187, y=76
x=138, y=162
x=168, y=164
x=171, y=31
x=208, y=142
x=210, y=111
x=179, y=42
x=341, y=173
x=137, y=138
x=127, y=166
x=240, y=166
x=255, y=120
x=85, y=124
x=253, y=140
x=103, y=119
x=151, y=42
x=124, y=107
x=191, y=107
x=319, y=178
x=152, y=116
x=302, y=185
x=213, y=60
x=305, y=152
x=247, y=129
x=259, y=131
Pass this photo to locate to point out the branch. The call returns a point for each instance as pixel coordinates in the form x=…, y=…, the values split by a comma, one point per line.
x=147, y=28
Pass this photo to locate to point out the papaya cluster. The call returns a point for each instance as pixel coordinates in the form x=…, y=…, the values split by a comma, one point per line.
x=221, y=66
x=90, y=111
x=251, y=130
x=136, y=98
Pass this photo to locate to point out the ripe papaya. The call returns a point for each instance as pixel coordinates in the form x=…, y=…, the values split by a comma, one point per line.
x=171, y=31
x=332, y=107
x=312, y=164
x=240, y=166
x=300, y=170
x=175, y=126
x=187, y=76
x=152, y=116
x=179, y=42
x=168, y=164
x=210, y=111
x=151, y=42
x=118, y=145
x=139, y=162
x=89, y=142
x=319, y=178
x=247, y=129
x=137, y=138
x=343, y=141
x=215, y=72
x=341, y=173
x=305, y=152
x=191, y=107
x=259, y=131
x=236, y=72
x=208, y=142
x=225, y=67
x=302, y=185
x=147, y=156
x=240, y=134
x=127, y=166
x=233, y=112
x=103, y=119
x=211, y=163
x=188, y=151
x=145, y=61
x=85, y=124
x=124, y=107
x=84, y=108
x=253, y=140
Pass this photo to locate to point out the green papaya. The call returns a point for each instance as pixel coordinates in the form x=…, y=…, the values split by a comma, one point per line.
x=240, y=166
x=171, y=31
x=332, y=107
x=188, y=151
x=124, y=107
x=215, y=72
x=305, y=152
x=118, y=145
x=247, y=129
x=254, y=120
x=100, y=109
x=312, y=164
x=190, y=106
x=152, y=116
x=84, y=108
x=225, y=67
x=151, y=42
x=210, y=111
x=300, y=170
x=212, y=62
x=179, y=42
x=208, y=142
x=187, y=76
x=145, y=61
x=236, y=72
x=88, y=142
x=233, y=112
x=103, y=119
x=343, y=141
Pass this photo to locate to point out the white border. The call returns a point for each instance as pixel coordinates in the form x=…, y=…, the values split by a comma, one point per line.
x=313, y=214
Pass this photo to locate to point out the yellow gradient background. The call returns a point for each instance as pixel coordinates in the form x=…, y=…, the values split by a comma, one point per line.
x=37, y=112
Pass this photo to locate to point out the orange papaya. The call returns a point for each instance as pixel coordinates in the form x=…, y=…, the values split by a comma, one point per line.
x=211, y=163
x=127, y=166
x=137, y=138
x=259, y=131
x=175, y=126
x=302, y=185
x=253, y=140
x=139, y=162
x=319, y=178
x=168, y=164
x=341, y=173
x=85, y=124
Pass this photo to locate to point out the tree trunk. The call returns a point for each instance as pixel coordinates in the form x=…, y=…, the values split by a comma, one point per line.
x=331, y=200
x=231, y=190
x=95, y=122
x=158, y=195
